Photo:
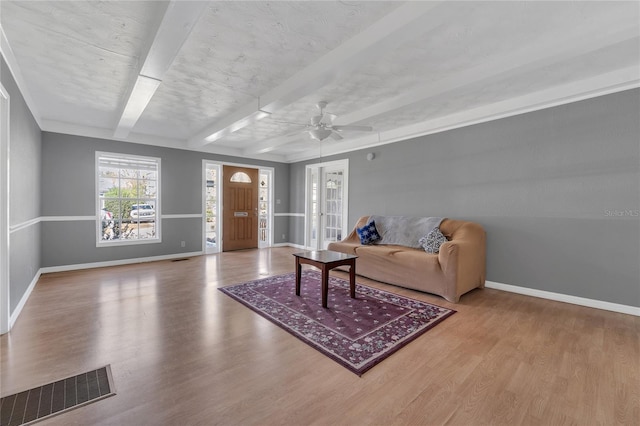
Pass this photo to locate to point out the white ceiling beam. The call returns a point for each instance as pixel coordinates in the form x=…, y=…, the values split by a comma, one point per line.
x=142, y=92
x=177, y=23
x=403, y=23
x=272, y=144
x=520, y=61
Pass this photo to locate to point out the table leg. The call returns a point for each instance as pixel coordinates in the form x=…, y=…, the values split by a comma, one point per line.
x=298, y=273
x=352, y=279
x=325, y=285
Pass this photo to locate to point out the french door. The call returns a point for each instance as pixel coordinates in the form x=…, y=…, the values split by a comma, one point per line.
x=326, y=212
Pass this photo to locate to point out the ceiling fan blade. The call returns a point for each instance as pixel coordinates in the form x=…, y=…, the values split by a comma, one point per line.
x=357, y=128
x=327, y=118
x=336, y=136
x=315, y=120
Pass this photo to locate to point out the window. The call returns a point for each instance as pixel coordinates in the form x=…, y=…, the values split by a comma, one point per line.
x=240, y=177
x=265, y=208
x=128, y=202
x=212, y=207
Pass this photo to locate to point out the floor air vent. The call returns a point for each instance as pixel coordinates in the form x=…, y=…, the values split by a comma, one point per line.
x=54, y=398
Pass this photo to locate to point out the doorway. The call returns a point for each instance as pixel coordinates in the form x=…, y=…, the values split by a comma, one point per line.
x=212, y=205
x=240, y=208
x=326, y=211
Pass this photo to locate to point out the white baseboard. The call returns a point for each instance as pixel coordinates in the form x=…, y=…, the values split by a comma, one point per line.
x=298, y=246
x=16, y=312
x=64, y=268
x=575, y=300
x=280, y=245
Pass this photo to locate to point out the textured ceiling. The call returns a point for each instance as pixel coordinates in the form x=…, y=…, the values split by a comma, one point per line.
x=406, y=69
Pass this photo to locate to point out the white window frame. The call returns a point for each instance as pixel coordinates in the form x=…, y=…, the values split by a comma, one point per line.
x=158, y=221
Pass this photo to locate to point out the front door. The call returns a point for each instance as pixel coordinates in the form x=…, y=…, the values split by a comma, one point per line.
x=240, y=208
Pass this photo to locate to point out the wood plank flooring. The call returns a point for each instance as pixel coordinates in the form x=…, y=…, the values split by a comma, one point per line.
x=183, y=353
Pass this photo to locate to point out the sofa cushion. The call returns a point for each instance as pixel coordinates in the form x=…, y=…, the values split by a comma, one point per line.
x=432, y=241
x=398, y=265
x=368, y=234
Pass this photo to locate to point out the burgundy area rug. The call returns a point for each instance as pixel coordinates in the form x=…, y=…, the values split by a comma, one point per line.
x=357, y=333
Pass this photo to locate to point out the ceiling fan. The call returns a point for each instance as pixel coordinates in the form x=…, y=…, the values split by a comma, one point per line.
x=321, y=126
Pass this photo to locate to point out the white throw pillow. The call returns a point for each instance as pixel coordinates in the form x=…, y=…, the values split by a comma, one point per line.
x=432, y=241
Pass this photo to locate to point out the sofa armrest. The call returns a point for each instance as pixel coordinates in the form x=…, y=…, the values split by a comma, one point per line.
x=464, y=264
x=353, y=237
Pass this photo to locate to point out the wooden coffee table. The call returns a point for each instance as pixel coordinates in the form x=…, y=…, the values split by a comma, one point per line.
x=326, y=260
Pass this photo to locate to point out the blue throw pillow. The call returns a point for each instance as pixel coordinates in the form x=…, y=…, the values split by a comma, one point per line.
x=433, y=240
x=368, y=233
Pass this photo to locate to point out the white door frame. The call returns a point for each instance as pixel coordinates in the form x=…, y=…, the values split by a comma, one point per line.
x=320, y=167
x=5, y=307
x=269, y=170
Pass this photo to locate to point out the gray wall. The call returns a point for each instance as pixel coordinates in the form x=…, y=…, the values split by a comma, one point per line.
x=68, y=189
x=557, y=191
x=24, y=191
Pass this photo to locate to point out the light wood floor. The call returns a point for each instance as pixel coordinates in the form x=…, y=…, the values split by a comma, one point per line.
x=183, y=353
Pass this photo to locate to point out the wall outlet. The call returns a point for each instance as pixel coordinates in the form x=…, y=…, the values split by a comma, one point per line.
x=283, y=236
x=182, y=244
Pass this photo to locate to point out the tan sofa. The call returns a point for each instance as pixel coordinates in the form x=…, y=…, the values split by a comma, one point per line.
x=458, y=268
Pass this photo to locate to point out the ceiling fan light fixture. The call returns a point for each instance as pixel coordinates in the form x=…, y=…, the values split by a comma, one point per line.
x=319, y=134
